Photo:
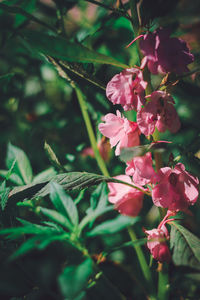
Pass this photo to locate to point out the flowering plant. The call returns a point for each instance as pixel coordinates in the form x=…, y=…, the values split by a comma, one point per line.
x=119, y=218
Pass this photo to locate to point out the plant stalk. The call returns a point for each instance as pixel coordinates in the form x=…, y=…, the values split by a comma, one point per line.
x=90, y=131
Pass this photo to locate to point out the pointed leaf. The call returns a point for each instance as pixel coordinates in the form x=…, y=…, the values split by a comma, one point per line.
x=69, y=181
x=113, y=226
x=55, y=217
x=63, y=203
x=22, y=165
x=74, y=279
x=186, y=247
x=63, y=49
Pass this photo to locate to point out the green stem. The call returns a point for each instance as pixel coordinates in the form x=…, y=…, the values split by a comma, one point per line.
x=144, y=266
x=163, y=283
x=90, y=131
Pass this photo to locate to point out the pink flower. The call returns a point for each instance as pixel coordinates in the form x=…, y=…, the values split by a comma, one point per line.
x=127, y=200
x=164, y=54
x=176, y=188
x=157, y=245
x=120, y=131
x=158, y=112
x=127, y=88
x=141, y=169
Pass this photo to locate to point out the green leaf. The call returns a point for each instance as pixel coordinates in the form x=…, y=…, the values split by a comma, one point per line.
x=18, y=10
x=13, y=177
x=74, y=279
x=38, y=242
x=186, y=247
x=22, y=165
x=113, y=226
x=69, y=181
x=127, y=154
x=55, y=217
x=4, y=80
x=99, y=197
x=63, y=203
x=44, y=175
x=4, y=192
x=63, y=49
x=53, y=158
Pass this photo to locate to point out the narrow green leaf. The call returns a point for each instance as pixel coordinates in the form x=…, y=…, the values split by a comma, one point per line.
x=186, y=247
x=4, y=192
x=53, y=158
x=55, y=217
x=63, y=49
x=63, y=203
x=22, y=165
x=99, y=197
x=113, y=226
x=74, y=279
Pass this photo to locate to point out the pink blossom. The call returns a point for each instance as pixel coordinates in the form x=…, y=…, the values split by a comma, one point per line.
x=141, y=169
x=157, y=245
x=127, y=88
x=158, y=112
x=176, y=188
x=164, y=54
x=127, y=200
x=120, y=131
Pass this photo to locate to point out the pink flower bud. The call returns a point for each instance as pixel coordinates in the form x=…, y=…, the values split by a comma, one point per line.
x=158, y=112
x=157, y=244
x=127, y=200
x=127, y=88
x=121, y=132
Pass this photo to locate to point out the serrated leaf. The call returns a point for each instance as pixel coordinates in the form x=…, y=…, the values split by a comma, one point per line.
x=61, y=48
x=22, y=165
x=55, y=217
x=63, y=203
x=186, y=247
x=69, y=181
x=74, y=279
x=113, y=226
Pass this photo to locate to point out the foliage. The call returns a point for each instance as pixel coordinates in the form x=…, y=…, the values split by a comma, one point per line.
x=61, y=238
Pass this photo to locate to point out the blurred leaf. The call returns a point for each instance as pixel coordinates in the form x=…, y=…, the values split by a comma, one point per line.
x=63, y=203
x=186, y=247
x=18, y=10
x=28, y=6
x=128, y=154
x=113, y=226
x=74, y=279
x=22, y=165
x=55, y=217
x=79, y=197
x=4, y=80
x=63, y=49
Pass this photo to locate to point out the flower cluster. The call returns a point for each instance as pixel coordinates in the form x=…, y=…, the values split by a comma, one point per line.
x=170, y=187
